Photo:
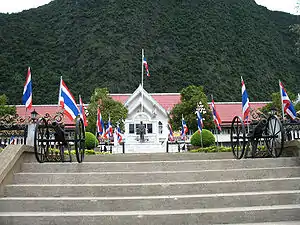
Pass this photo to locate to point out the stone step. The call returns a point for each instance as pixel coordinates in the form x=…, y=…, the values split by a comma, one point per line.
x=268, y=223
x=156, y=176
x=151, y=189
x=180, y=165
x=157, y=157
x=167, y=217
x=169, y=202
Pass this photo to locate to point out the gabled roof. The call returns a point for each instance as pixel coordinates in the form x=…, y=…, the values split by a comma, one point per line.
x=141, y=90
x=166, y=100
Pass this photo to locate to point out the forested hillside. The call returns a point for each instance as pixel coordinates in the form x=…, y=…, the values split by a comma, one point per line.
x=97, y=43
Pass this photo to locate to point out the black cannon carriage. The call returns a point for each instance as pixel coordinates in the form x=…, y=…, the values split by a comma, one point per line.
x=262, y=135
x=63, y=136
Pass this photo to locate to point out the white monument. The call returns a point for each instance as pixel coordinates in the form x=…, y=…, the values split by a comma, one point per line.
x=143, y=109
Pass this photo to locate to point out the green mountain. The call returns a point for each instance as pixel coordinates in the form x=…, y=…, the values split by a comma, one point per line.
x=97, y=43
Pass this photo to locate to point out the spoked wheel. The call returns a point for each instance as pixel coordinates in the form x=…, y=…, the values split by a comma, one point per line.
x=79, y=140
x=274, y=136
x=238, y=137
x=41, y=137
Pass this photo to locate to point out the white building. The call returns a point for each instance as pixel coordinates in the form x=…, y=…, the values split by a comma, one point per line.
x=143, y=108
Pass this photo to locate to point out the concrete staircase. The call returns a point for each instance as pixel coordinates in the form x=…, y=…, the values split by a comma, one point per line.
x=154, y=189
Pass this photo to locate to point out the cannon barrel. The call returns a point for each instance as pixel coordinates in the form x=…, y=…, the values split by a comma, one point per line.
x=59, y=133
x=259, y=128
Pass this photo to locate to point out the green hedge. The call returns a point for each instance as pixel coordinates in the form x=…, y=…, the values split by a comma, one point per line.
x=87, y=152
x=212, y=149
x=90, y=140
x=208, y=139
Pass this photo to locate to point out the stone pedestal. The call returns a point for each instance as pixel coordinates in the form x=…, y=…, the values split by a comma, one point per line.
x=291, y=148
x=30, y=135
x=144, y=148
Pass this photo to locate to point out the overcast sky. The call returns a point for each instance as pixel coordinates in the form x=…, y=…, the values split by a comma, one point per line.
x=19, y=5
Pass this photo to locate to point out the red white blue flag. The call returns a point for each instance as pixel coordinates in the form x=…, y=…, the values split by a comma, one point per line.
x=109, y=129
x=100, y=124
x=119, y=134
x=27, y=92
x=171, y=135
x=287, y=105
x=245, y=101
x=217, y=119
x=146, y=67
x=184, y=128
x=82, y=112
x=199, y=121
x=12, y=140
x=67, y=101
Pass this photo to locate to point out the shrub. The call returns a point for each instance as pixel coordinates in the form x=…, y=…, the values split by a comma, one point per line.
x=212, y=149
x=73, y=152
x=208, y=138
x=90, y=140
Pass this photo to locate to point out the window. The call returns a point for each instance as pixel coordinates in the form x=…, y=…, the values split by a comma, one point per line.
x=131, y=128
x=160, y=127
x=149, y=128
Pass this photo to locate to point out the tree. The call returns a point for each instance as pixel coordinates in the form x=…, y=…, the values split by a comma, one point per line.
x=190, y=98
x=100, y=98
x=4, y=108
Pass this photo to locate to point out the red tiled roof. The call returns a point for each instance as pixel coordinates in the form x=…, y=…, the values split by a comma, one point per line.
x=167, y=101
x=226, y=110
x=231, y=109
x=120, y=97
x=41, y=110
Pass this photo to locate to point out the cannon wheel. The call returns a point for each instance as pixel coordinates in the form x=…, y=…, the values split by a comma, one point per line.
x=41, y=146
x=238, y=137
x=275, y=141
x=79, y=140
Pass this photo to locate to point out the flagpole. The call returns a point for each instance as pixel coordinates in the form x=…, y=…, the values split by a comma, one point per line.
x=216, y=131
x=282, y=109
x=142, y=105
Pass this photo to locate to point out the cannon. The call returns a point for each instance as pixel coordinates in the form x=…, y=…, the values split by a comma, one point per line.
x=48, y=136
x=59, y=134
x=265, y=135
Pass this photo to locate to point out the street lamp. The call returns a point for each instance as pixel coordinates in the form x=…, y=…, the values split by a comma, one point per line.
x=201, y=108
x=34, y=115
x=273, y=111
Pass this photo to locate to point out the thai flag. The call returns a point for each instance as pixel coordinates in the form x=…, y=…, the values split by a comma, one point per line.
x=199, y=121
x=67, y=101
x=12, y=140
x=100, y=124
x=171, y=135
x=109, y=129
x=146, y=66
x=245, y=101
x=119, y=134
x=27, y=92
x=217, y=119
x=184, y=128
x=82, y=112
x=287, y=105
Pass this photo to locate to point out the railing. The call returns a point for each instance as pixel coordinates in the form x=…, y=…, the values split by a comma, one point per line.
x=15, y=133
x=292, y=131
x=110, y=147
x=181, y=146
